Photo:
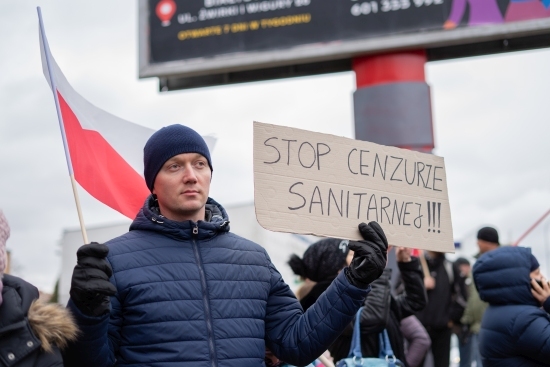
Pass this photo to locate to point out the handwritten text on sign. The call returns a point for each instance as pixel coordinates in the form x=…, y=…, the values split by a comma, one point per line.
x=313, y=183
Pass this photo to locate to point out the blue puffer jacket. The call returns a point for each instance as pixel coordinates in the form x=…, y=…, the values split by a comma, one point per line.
x=515, y=331
x=194, y=294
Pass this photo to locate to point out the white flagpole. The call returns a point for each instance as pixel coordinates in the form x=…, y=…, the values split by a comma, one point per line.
x=60, y=119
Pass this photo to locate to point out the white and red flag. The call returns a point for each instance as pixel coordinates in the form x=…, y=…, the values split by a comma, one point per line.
x=104, y=152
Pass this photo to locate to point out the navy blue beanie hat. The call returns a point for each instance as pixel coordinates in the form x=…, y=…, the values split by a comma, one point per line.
x=167, y=143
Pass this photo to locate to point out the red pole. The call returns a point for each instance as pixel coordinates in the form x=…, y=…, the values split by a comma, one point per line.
x=531, y=228
x=392, y=102
x=406, y=66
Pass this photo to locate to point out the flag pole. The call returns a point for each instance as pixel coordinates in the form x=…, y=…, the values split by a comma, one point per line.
x=46, y=48
x=424, y=265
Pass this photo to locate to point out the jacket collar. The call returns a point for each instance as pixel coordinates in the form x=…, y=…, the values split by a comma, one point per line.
x=149, y=219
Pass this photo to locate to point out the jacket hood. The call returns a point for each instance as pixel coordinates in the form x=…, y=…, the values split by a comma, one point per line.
x=150, y=219
x=18, y=296
x=51, y=324
x=502, y=276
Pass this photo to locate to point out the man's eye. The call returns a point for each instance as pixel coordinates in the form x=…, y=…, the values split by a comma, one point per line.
x=173, y=167
x=201, y=164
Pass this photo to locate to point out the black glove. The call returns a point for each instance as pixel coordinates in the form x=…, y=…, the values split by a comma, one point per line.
x=90, y=285
x=370, y=257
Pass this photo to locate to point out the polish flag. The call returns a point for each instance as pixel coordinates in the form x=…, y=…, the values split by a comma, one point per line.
x=104, y=152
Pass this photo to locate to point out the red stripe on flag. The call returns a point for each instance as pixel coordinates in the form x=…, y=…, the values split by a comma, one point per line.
x=100, y=170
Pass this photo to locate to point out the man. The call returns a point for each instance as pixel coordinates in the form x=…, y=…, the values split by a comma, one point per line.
x=436, y=316
x=462, y=269
x=179, y=289
x=487, y=240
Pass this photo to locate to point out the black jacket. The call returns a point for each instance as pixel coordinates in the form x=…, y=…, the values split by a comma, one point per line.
x=437, y=313
x=28, y=328
x=383, y=310
x=460, y=295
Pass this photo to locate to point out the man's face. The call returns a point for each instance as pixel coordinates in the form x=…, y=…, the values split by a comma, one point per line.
x=485, y=246
x=182, y=187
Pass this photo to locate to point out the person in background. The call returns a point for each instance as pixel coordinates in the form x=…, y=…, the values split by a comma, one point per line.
x=322, y=262
x=383, y=310
x=436, y=316
x=318, y=267
x=31, y=332
x=462, y=268
x=304, y=288
x=487, y=240
x=180, y=289
x=515, y=331
x=418, y=340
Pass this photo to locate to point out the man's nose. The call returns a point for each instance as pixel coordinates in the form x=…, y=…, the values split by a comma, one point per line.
x=189, y=174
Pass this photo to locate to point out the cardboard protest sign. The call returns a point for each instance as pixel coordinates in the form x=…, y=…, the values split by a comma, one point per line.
x=325, y=185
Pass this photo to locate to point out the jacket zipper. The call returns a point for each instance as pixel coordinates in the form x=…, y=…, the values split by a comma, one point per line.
x=207, y=314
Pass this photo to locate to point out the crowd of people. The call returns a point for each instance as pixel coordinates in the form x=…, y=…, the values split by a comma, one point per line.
x=180, y=289
x=498, y=311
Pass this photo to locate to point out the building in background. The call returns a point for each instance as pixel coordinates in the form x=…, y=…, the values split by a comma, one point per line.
x=242, y=221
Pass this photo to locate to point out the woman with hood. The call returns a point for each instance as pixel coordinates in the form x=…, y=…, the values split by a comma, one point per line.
x=321, y=263
x=515, y=330
x=324, y=259
x=31, y=332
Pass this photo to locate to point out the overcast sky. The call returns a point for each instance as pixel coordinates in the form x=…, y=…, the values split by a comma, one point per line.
x=491, y=123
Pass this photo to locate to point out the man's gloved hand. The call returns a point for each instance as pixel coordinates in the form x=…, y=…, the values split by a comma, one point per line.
x=370, y=255
x=90, y=285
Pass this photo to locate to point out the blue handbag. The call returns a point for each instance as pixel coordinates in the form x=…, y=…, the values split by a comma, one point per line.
x=386, y=358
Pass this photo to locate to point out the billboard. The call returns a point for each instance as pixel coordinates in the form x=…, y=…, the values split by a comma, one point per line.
x=197, y=38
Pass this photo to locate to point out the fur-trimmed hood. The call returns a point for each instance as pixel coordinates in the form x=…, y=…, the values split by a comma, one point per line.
x=52, y=324
x=29, y=326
